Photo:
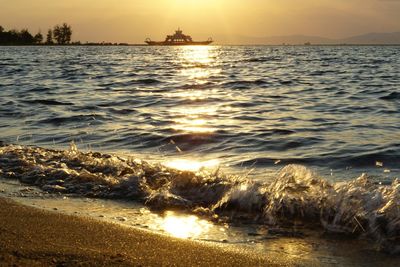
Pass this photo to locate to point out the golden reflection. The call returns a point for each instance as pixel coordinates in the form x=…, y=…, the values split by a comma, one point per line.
x=198, y=64
x=194, y=129
x=184, y=226
x=197, y=119
x=196, y=111
x=191, y=165
x=196, y=54
x=189, y=94
x=244, y=187
x=193, y=125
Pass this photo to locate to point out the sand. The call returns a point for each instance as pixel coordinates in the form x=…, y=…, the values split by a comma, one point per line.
x=33, y=237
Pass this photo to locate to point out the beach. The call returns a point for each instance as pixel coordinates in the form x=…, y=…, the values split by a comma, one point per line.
x=33, y=237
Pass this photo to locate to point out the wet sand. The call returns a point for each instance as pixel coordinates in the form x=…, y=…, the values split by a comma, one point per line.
x=33, y=237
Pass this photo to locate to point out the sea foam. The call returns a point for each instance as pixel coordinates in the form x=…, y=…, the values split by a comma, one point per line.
x=358, y=207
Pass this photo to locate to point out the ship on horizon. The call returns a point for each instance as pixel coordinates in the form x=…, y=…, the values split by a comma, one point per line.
x=179, y=39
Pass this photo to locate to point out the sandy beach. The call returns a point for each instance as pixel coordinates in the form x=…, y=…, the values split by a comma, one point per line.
x=33, y=237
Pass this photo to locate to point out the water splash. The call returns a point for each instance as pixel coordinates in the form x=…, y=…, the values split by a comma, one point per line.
x=359, y=207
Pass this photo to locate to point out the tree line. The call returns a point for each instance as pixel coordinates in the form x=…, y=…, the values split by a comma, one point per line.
x=60, y=35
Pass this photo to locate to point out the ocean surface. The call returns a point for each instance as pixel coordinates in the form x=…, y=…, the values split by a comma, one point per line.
x=336, y=109
x=277, y=132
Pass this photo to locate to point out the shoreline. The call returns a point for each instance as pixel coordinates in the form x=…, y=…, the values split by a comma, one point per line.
x=34, y=237
x=216, y=44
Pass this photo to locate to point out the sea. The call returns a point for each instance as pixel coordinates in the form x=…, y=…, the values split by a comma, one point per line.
x=233, y=137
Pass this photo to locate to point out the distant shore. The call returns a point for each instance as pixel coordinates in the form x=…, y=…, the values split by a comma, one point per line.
x=33, y=237
x=72, y=45
x=125, y=44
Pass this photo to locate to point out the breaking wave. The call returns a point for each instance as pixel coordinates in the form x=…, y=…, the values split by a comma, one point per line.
x=359, y=207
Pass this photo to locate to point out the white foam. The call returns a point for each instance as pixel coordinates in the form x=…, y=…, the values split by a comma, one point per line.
x=357, y=207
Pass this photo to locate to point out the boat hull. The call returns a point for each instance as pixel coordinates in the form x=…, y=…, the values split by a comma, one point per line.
x=152, y=43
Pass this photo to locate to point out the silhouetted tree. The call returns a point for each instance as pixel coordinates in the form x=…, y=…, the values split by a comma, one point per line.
x=67, y=32
x=57, y=34
x=62, y=34
x=49, y=37
x=25, y=37
x=38, y=38
x=2, y=35
x=15, y=37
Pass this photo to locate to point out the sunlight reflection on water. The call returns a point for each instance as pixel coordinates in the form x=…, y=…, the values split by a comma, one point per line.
x=195, y=119
x=249, y=106
x=195, y=62
x=184, y=226
x=191, y=165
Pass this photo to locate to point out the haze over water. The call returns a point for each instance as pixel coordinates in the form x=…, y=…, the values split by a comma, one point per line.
x=334, y=109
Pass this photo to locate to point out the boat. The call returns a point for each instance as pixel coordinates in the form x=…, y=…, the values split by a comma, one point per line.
x=179, y=39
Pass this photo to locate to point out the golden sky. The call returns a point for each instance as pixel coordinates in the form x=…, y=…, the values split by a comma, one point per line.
x=225, y=20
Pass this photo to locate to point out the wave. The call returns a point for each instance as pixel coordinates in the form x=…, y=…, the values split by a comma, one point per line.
x=391, y=96
x=144, y=81
x=347, y=160
x=193, y=139
x=40, y=89
x=358, y=207
x=122, y=111
x=246, y=84
x=206, y=85
x=48, y=102
x=264, y=59
x=94, y=118
x=386, y=155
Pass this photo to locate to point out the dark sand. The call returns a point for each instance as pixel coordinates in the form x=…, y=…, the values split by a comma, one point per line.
x=33, y=237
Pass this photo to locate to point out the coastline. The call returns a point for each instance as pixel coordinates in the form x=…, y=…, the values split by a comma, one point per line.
x=215, y=44
x=34, y=237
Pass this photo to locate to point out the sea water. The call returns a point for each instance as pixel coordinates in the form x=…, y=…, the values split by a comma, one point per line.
x=233, y=134
x=335, y=109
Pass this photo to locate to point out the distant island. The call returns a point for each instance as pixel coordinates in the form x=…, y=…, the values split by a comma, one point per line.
x=392, y=38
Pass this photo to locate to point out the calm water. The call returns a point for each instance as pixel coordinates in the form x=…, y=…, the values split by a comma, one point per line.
x=334, y=109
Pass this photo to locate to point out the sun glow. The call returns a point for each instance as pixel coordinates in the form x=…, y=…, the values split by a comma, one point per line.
x=198, y=64
x=191, y=165
x=193, y=125
x=194, y=120
x=184, y=226
x=196, y=54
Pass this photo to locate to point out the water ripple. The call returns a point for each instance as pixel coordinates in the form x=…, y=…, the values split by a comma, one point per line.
x=335, y=108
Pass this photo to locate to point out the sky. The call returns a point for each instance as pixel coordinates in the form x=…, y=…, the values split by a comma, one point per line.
x=132, y=21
